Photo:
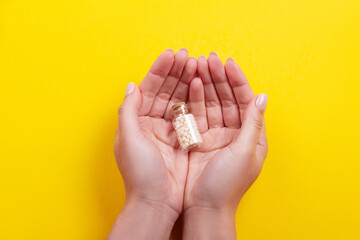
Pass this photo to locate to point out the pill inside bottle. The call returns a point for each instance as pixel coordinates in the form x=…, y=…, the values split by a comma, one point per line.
x=185, y=127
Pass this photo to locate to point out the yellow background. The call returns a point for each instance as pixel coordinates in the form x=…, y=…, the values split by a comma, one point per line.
x=64, y=66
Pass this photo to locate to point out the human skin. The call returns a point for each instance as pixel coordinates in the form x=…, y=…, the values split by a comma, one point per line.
x=161, y=181
x=231, y=121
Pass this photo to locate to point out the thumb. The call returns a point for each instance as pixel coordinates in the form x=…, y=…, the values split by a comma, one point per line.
x=253, y=123
x=129, y=110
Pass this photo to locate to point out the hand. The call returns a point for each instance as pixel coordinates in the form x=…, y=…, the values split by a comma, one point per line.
x=146, y=150
x=230, y=120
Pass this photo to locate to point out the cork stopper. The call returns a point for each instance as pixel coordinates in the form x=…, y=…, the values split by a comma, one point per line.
x=179, y=108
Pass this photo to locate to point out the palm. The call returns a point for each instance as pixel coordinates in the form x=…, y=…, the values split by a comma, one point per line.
x=159, y=91
x=217, y=102
x=216, y=141
x=163, y=139
x=215, y=144
x=161, y=134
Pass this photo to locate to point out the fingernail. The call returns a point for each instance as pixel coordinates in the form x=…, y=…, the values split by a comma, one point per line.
x=261, y=101
x=213, y=53
x=184, y=49
x=171, y=50
x=129, y=88
x=202, y=56
x=230, y=59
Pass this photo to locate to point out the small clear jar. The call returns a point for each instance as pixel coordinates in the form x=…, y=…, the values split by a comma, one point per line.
x=185, y=126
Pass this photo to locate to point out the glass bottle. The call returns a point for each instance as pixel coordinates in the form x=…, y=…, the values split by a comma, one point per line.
x=185, y=126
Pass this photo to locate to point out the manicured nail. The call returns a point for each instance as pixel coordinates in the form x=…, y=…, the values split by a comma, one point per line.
x=129, y=88
x=170, y=49
x=184, y=49
x=261, y=101
x=213, y=53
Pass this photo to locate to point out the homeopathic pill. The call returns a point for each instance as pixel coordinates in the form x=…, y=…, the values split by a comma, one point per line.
x=185, y=127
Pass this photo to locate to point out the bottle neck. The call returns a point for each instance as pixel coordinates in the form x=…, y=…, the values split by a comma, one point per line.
x=179, y=109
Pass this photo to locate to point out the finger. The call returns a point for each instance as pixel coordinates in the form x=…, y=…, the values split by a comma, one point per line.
x=181, y=91
x=128, y=139
x=262, y=147
x=240, y=85
x=128, y=123
x=229, y=107
x=153, y=80
x=197, y=104
x=212, y=102
x=252, y=126
x=162, y=98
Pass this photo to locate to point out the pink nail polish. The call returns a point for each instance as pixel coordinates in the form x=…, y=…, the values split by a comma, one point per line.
x=129, y=88
x=184, y=49
x=213, y=53
x=261, y=101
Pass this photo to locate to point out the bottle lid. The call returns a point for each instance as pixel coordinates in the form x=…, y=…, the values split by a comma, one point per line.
x=179, y=109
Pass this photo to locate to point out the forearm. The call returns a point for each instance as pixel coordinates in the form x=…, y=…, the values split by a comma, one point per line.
x=207, y=223
x=143, y=220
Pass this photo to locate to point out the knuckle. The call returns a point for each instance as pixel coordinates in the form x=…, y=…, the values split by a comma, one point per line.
x=212, y=103
x=228, y=103
x=266, y=150
x=121, y=109
x=148, y=94
x=163, y=96
x=257, y=123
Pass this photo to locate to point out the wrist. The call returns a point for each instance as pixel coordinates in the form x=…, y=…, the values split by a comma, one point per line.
x=144, y=219
x=209, y=223
x=156, y=208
